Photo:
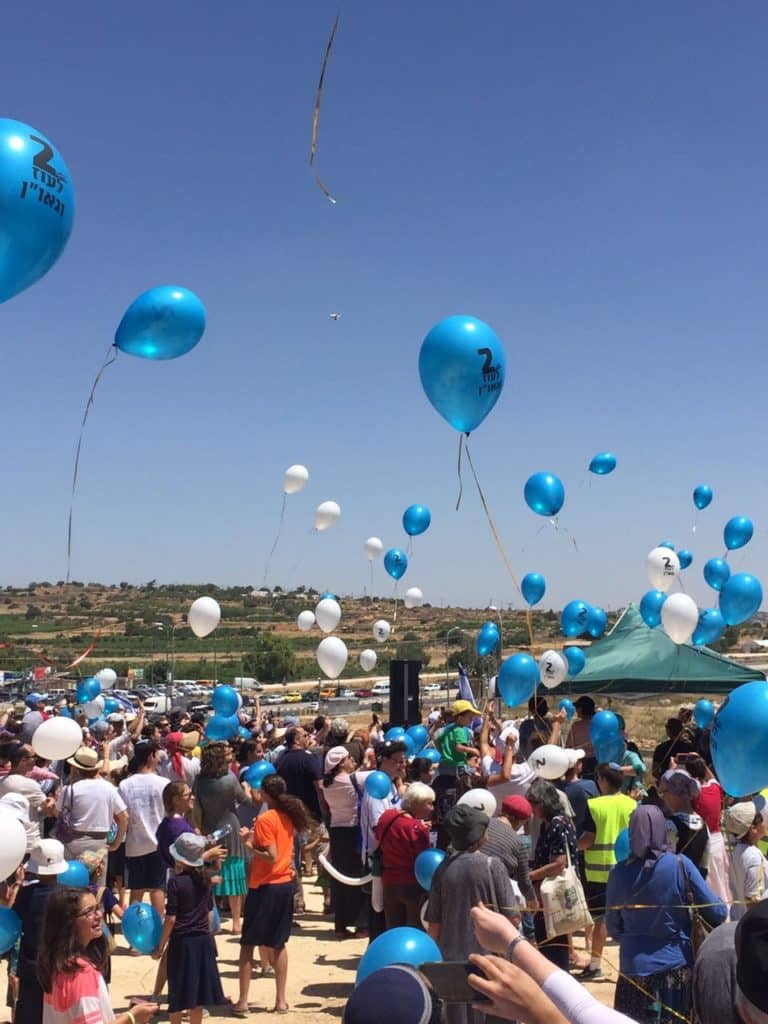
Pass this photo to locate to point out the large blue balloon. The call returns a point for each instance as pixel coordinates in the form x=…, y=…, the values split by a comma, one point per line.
x=220, y=728
x=573, y=618
x=702, y=496
x=517, y=679
x=163, y=323
x=396, y=562
x=603, y=464
x=604, y=726
x=395, y=733
x=258, y=771
x=398, y=946
x=533, y=587
x=462, y=366
x=716, y=573
x=597, y=620
x=37, y=205
x=737, y=532
x=710, y=626
x=75, y=877
x=419, y=735
x=87, y=689
x=739, y=750
x=430, y=754
x=142, y=927
x=10, y=928
x=544, y=494
x=650, y=607
x=568, y=707
x=487, y=639
x=425, y=866
x=740, y=598
x=576, y=660
x=111, y=706
x=609, y=750
x=621, y=848
x=378, y=785
x=703, y=713
x=684, y=557
x=416, y=520
x=225, y=701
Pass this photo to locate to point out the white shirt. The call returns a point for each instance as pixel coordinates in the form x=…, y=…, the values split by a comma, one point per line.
x=35, y=798
x=519, y=781
x=749, y=877
x=190, y=766
x=371, y=810
x=341, y=797
x=143, y=795
x=95, y=802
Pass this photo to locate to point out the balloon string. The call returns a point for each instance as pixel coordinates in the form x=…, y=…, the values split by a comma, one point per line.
x=111, y=357
x=499, y=545
x=458, y=471
x=277, y=538
x=371, y=565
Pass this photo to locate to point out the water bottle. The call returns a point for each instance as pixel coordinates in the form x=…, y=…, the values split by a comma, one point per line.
x=217, y=837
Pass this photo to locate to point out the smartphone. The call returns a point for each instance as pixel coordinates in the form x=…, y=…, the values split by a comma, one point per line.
x=448, y=980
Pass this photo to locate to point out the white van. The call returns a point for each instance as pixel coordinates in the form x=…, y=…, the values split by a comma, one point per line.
x=157, y=705
x=381, y=688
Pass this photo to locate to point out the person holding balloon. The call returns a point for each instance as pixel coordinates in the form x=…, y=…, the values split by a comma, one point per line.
x=403, y=833
x=21, y=758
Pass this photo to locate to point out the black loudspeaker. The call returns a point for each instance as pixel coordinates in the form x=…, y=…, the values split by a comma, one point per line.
x=404, y=706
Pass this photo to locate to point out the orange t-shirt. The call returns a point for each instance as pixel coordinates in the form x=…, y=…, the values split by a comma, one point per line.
x=272, y=829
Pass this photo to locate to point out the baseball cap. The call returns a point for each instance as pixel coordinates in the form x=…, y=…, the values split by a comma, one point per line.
x=574, y=756
x=460, y=706
x=738, y=818
x=115, y=718
x=465, y=825
x=680, y=783
x=516, y=807
x=188, y=849
x=99, y=730
x=35, y=698
x=47, y=858
x=334, y=757
x=751, y=943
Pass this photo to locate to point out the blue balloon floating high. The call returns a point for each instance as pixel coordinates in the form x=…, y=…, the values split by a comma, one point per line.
x=37, y=206
x=416, y=520
x=666, y=544
x=75, y=877
x=425, y=866
x=573, y=618
x=703, y=713
x=739, y=750
x=650, y=607
x=603, y=464
x=702, y=496
x=398, y=946
x=329, y=595
x=378, y=785
x=225, y=701
x=710, y=627
x=462, y=366
x=568, y=707
x=684, y=557
x=740, y=598
x=533, y=587
x=395, y=563
x=10, y=929
x=258, y=772
x=737, y=532
x=517, y=679
x=597, y=620
x=716, y=573
x=621, y=847
x=544, y=494
x=487, y=639
x=142, y=927
x=162, y=323
x=576, y=660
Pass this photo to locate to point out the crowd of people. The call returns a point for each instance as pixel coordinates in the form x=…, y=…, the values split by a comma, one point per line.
x=656, y=856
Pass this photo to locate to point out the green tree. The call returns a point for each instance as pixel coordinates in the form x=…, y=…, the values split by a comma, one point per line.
x=272, y=662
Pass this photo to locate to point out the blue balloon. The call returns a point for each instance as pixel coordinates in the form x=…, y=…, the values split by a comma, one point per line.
x=740, y=598
x=684, y=557
x=395, y=733
x=87, y=690
x=220, y=728
x=568, y=707
x=419, y=735
x=462, y=366
x=576, y=660
x=142, y=927
x=573, y=618
x=425, y=866
x=258, y=771
x=10, y=923
x=111, y=706
x=162, y=323
x=327, y=594
x=533, y=587
x=609, y=750
x=739, y=750
x=378, y=785
x=603, y=464
x=737, y=532
x=37, y=206
x=544, y=494
x=666, y=544
x=243, y=733
x=621, y=847
x=75, y=877
x=597, y=620
x=704, y=713
x=416, y=520
x=716, y=573
x=710, y=626
x=63, y=712
x=517, y=679
x=398, y=946
x=650, y=607
x=430, y=754
x=225, y=701
x=396, y=562
x=604, y=726
x=702, y=496
x=487, y=639
x=410, y=746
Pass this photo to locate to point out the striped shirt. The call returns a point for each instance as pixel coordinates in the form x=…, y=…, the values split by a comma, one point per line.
x=78, y=998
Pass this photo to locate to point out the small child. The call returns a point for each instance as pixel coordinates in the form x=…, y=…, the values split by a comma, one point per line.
x=193, y=977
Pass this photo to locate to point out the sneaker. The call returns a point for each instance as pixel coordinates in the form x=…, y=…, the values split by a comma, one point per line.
x=590, y=974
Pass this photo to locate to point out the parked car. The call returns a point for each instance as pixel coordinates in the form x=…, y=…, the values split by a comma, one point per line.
x=433, y=688
x=327, y=692
x=364, y=693
x=292, y=698
x=313, y=707
x=272, y=698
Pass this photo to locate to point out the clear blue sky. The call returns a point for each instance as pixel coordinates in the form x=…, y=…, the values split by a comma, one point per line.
x=589, y=179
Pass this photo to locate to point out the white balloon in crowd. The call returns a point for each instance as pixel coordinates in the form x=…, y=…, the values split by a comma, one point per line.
x=295, y=479
x=203, y=616
x=413, y=598
x=481, y=800
x=326, y=514
x=381, y=630
x=306, y=620
x=549, y=761
x=332, y=656
x=94, y=708
x=328, y=614
x=368, y=659
x=663, y=567
x=14, y=845
x=57, y=738
x=107, y=677
x=374, y=546
x=679, y=617
x=553, y=668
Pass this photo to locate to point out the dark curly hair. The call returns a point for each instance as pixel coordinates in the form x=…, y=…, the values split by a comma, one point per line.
x=58, y=952
x=213, y=761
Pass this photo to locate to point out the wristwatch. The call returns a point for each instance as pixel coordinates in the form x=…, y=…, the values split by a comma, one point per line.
x=513, y=945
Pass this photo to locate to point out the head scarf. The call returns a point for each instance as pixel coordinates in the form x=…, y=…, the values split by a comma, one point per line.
x=648, y=833
x=173, y=746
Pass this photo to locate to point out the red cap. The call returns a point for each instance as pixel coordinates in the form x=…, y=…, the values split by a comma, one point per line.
x=516, y=807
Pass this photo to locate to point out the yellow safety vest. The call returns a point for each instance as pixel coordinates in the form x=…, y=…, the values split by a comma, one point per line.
x=611, y=815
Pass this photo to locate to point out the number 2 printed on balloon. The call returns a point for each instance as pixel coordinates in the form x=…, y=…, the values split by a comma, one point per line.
x=491, y=374
x=45, y=177
x=668, y=568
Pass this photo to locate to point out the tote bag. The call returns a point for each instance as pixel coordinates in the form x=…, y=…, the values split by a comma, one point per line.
x=565, y=907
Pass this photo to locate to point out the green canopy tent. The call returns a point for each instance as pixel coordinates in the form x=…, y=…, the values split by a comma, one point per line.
x=635, y=658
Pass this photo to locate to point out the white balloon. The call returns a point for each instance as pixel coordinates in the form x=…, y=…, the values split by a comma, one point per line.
x=57, y=738
x=481, y=800
x=373, y=548
x=14, y=844
x=326, y=514
x=328, y=614
x=306, y=620
x=549, y=761
x=332, y=656
x=94, y=708
x=344, y=879
x=204, y=616
x=381, y=630
x=662, y=566
x=680, y=619
x=368, y=659
x=413, y=598
x=295, y=479
x=553, y=669
x=107, y=677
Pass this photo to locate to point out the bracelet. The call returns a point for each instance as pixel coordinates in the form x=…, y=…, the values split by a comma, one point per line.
x=130, y=1017
x=513, y=946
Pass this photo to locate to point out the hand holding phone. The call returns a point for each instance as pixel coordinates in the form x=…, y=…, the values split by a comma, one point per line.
x=448, y=980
